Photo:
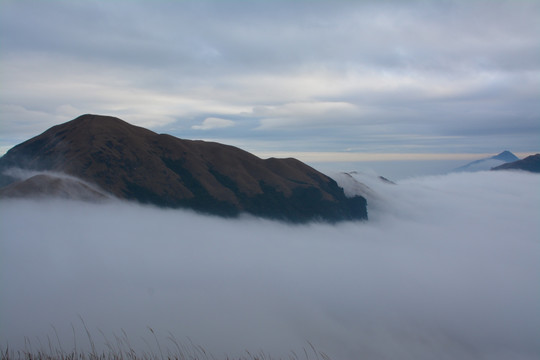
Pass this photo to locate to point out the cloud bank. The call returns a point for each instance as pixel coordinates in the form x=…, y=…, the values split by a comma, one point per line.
x=447, y=267
x=213, y=123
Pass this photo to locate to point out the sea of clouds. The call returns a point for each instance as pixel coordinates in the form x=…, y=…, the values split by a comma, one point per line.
x=447, y=267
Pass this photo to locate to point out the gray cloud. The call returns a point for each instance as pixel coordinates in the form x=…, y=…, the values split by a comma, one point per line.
x=445, y=268
x=417, y=68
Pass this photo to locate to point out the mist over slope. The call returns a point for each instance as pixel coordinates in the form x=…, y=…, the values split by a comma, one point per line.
x=447, y=268
x=34, y=184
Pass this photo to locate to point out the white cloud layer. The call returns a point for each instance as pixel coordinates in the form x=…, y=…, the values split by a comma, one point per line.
x=446, y=268
x=213, y=123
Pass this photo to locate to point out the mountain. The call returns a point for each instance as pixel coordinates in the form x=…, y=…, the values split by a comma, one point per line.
x=530, y=163
x=134, y=163
x=488, y=163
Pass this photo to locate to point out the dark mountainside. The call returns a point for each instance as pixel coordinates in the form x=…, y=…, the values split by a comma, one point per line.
x=134, y=163
x=530, y=163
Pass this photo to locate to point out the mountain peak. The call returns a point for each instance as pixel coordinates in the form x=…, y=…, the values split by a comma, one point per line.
x=94, y=120
x=99, y=123
x=488, y=163
x=96, y=117
x=506, y=156
x=135, y=163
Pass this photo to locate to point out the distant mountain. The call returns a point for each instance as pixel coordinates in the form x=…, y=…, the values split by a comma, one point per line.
x=488, y=163
x=530, y=163
x=134, y=163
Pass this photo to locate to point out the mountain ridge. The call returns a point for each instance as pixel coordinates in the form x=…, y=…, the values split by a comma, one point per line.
x=135, y=163
x=530, y=163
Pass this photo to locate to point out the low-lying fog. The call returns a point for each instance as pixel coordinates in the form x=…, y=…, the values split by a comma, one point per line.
x=447, y=267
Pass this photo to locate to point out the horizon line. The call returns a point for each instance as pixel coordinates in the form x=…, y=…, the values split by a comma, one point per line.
x=335, y=156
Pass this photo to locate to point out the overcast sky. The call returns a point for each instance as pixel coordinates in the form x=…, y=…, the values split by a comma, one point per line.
x=287, y=76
